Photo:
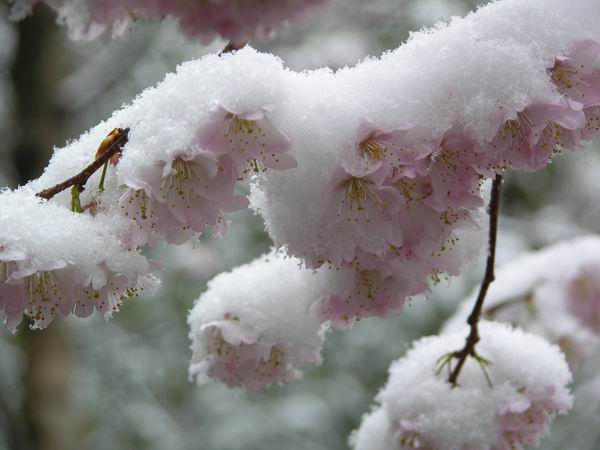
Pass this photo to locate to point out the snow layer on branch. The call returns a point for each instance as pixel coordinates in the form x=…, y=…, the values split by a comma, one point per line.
x=254, y=325
x=423, y=410
x=234, y=20
x=552, y=292
x=49, y=233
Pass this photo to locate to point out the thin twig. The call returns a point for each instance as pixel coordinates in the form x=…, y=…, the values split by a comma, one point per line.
x=82, y=177
x=473, y=320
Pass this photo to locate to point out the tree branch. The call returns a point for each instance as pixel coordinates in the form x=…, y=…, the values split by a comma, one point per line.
x=473, y=320
x=120, y=139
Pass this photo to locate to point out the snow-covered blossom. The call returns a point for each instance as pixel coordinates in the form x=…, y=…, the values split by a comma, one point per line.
x=453, y=175
x=365, y=203
x=62, y=262
x=552, y=293
x=254, y=325
x=177, y=174
x=396, y=173
x=181, y=196
x=577, y=74
x=235, y=20
x=381, y=167
x=418, y=408
x=251, y=141
x=374, y=293
x=388, y=149
x=529, y=139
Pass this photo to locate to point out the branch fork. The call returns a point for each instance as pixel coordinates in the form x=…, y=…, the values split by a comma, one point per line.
x=473, y=338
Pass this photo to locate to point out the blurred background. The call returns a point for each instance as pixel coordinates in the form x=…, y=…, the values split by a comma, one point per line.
x=89, y=384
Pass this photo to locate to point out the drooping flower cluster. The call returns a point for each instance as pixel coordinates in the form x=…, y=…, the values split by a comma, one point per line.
x=172, y=176
x=181, y=171
x=234, y=20
x=392, y=156
x=45, y=272
x=249, y=331
x=405, y=184
x=419, y=409
x=393, y=176
x=553, y=293
x=191, y=189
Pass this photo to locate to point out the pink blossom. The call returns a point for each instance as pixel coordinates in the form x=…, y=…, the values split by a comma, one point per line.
x=577, y=74
x=592, y=122
x=386, y=149
x=530, y=138
x=524, y=421
x=43, y=294
x=62, y=289
x=179, y=197
x=367, y=287
x=455, y=182
x=249, y=138
x=584, y=296
x=107, y=298
x=239, y=357
x=364, y=202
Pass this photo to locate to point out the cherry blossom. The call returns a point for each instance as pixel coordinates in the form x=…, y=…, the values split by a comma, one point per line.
x=64, y=262
x=508, y=404
x=249, y=138
x=245, y=332
x=181, y=196
x=529, y=139
x=577, y=75
x=455, y=182
x=374, y=293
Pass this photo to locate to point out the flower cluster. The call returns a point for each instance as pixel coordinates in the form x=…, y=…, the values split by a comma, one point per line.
x=417, y=409
x=403, y=198
x=188, y=190
x=393, y=186
x=172, y=175
x=392, y=174
x=45, y=272
x=244, y=332
x=234, y=20
x=553, y=293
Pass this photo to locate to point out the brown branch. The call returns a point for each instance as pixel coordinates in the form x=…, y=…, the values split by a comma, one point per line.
x=473, y=320
x=119, y=140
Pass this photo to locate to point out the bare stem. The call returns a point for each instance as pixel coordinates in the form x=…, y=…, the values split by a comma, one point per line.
x=473, y=320
x=82, y=177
